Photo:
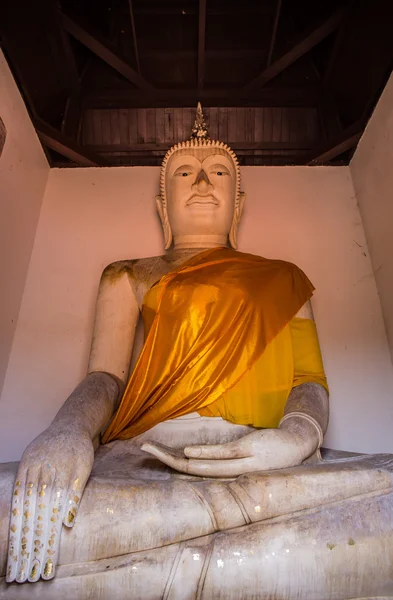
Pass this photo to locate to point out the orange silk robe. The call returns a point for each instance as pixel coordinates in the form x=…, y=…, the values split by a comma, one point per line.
x=211, y=321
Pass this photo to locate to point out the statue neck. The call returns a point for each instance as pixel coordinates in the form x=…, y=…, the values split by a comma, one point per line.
x=199, y=241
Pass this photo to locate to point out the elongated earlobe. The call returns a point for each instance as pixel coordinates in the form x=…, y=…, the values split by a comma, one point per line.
x=163, y=213
x=236, y=219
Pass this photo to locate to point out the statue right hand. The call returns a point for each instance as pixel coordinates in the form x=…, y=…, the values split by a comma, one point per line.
x=51, y=478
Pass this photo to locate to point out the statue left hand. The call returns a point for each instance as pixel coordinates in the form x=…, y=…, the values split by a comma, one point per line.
x=261, y=450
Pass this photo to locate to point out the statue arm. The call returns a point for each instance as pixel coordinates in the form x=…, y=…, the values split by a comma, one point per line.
x=298, y=436
x=56, y=465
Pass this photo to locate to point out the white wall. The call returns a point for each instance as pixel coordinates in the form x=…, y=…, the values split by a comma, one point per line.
x=23, y=174
x=372, y=174
x=91, y=217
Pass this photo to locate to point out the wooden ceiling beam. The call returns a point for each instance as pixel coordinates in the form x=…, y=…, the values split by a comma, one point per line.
x=305, y=96
x=159, y=147
x=102, y=51
x=274, y=33
x=224, y=55
x=340, y=143
x=71, y=120
x=201, y=43
x=65, y=146
x=134, y=38
x=329, y=119
x=304, y=45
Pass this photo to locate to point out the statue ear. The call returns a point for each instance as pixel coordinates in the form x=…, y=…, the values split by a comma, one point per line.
x=163, y=213
x=236, y=219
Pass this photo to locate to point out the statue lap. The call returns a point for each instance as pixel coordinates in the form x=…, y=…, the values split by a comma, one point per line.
x=146, y=529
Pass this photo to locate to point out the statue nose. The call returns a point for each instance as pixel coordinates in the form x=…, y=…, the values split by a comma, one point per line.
x=202, y=179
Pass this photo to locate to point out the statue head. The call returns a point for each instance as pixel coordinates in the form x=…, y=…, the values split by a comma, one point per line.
x=200, y=195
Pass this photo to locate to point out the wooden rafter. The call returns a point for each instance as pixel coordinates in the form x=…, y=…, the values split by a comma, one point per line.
x=266, y=96
x=71, y=119
x=346, y=140
x=304, y=45
x=274, y=33
x=329, y=118
x=102, y=51
x=159, y=147
x=201, y=43
x=65, y=146
x=134, y=38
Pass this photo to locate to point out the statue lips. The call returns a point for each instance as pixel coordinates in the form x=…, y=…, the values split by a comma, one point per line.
x=202, y=200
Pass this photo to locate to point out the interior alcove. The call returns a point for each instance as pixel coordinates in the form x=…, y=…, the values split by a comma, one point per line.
x=63, y=226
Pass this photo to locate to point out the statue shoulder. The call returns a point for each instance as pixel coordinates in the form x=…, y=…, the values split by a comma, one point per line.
x=141, y=273
x=116, y=270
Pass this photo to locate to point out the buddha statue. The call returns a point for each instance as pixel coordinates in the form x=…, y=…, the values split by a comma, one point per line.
x=199, y=474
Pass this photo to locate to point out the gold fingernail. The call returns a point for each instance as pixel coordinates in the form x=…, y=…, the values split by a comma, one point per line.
x=17, y=483
x=34, y=570
x=71, y=515
x=48, y=567
x=42, y=494
x=31, y=485
x=16, y=493
x=24, y=540
x=29, y=492
x=15, y=512
x=13, y=528
x=44, y=486
x=41, y=506
x=76, y=499
x=27, y=514
x=40, y=518
x=55, y=510
x=22, y=572
x=51, y=542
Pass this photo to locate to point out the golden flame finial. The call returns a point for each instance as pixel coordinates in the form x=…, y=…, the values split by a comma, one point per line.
x=199, y=131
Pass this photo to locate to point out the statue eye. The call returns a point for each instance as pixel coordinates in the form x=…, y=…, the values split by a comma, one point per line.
x=220, y=173
x=185, y=174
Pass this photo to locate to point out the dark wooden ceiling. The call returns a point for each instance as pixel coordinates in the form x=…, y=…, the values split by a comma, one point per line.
x=116, y=82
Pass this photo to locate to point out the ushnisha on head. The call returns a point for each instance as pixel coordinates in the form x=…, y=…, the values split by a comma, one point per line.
x=200, y=202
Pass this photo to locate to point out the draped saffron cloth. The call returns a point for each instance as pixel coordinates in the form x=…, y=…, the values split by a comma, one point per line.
x=214, y=318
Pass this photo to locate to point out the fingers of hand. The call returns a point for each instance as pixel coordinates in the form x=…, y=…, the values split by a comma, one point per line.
x=26, y=533
x=40, y=525
x=203, y=468
x=48, y=553
x=220, y=468
x=167, y=455
x=16, y=526
x=217, y=451
x=74, y=494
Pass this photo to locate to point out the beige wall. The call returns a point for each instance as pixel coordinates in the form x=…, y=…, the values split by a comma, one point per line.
x=91, y=217
x=372, y=174
x=23, y=175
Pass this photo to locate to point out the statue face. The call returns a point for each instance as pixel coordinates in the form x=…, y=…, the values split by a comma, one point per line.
x=200, y=193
